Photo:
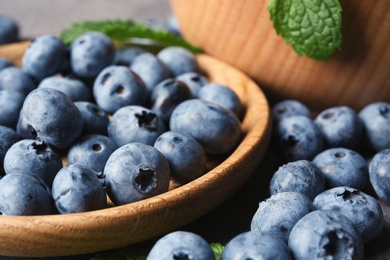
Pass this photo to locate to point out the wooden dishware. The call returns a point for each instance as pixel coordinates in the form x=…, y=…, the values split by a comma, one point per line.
x=71, y=234
x=241, y=34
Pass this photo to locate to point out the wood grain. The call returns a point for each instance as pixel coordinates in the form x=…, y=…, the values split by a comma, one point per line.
x=59, y=235
x=241, y=34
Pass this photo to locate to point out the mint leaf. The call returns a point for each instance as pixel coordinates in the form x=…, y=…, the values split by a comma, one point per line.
x=312, y=27
x=217, y=248
x=123, y=31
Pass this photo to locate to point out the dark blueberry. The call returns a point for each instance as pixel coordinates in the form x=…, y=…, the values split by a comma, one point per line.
x=95, y=120
x=173, y=25
x=340, y=126
x=379, y=172
x=125, y=56
x=222, y=95
x=76, y=188
x=74, y=88
x=150, y=69
x=118, y=86
x=343, y=167
x=44, y=57
x=216, y=128
x=135, y=124
x=376, y=122
x=25, y=195
x=300, y=176
x=178, y=60
x=325, y=234
x=49, y=115
x=278, y=214
x=33, y=157
x=194, y=80
x=298, y=138
x=14, y=79
x=134, y=172
x=181, y=245
x=90, y=53
x=166, y=96
x=255, y=245
x=15, y=85
x=5, y=63
x=11, y=103
x=186, y=157
x=8, y=137
x=91, y=151
x=289, y=107
x=364, y=210
x=9, y=30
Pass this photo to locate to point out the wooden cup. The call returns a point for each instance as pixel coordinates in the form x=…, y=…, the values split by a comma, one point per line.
x=241, y=33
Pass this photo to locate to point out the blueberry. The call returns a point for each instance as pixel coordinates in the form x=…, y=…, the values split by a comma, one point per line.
x=11, y=103
x=343, y=167
x=25, y=195
x=74, y=88
x=15, y=85
x=95, y=120
x=166, y=96
x=118, y=86
x=9, y=30
x=33, y=157
x=363, y=209
x=44, y=57
x=216, y=128
x=125, y=56
x=181, y=245
x=76, y=188
x=289, y=107
x=340, y=126
x=376, y=122
x=135, y=124
x=5, y=63
x=300, y=176
x=49, y=115
x=278, y=214
x=178, y=60
x=90, y=53
x=91, y=151
x=379, y=173
x=325, y=234
x=173, y=25
x=150, y=69
x=298, y=138
x=15, y=79
x=8, y=137
x=194, y=80
x=255, y=245
x=222, y=95
x=187, y=158
x=134, y=172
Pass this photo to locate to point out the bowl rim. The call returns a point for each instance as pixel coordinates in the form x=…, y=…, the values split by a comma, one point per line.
x=109, y=228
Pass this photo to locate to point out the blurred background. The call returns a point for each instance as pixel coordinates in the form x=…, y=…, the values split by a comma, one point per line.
x=38, y=17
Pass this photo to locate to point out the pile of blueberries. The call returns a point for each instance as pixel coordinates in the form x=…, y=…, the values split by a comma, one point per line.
x=323, y=200
x=128, y=121
x=113, y=110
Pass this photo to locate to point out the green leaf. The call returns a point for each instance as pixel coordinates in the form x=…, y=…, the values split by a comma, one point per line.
x=312, y=27
x=123, y=31
x=217, y=248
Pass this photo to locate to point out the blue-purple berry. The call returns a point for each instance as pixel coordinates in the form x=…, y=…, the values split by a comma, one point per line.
x=301, y=176
x=343, y=167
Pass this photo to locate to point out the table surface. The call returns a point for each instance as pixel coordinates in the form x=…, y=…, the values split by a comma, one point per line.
x=38, y=17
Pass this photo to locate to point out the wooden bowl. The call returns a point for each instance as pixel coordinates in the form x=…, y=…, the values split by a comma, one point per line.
x=242, y=34
x=59, y=235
